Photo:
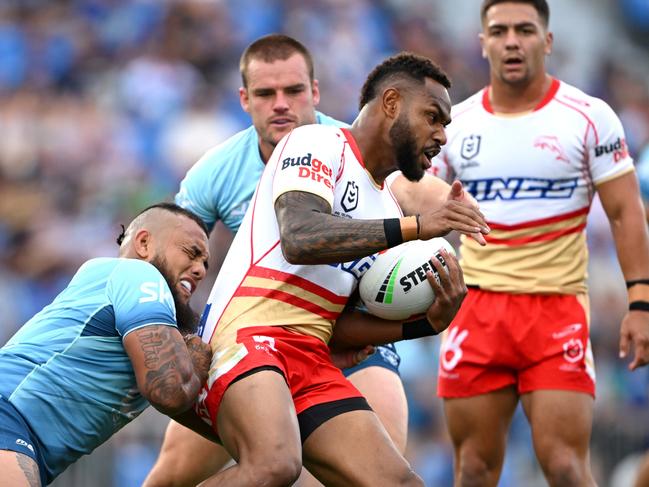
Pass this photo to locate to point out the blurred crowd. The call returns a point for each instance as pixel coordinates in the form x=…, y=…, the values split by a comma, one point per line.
x=104, y=104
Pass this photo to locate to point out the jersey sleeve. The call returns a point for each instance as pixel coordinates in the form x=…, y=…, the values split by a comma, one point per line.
x=199, y=190
x=140, y=297
x=308, y=160
x=606, y=144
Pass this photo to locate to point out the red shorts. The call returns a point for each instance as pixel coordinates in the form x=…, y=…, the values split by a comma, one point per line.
x=304, y=362
x=533, y=341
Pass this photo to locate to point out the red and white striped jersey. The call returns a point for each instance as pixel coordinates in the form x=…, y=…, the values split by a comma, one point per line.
x=256, y=286
x=534, y=175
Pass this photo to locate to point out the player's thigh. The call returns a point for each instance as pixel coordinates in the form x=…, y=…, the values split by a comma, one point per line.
x=256, y=419
x=385, y=394
x=354, y=449
x=478, y=425
x=18, y=470
x=186, y=459
x=561, y=423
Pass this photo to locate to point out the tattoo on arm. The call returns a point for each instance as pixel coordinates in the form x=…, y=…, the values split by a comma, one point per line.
x=312, y=235
x=169, y=371
x=29, y=469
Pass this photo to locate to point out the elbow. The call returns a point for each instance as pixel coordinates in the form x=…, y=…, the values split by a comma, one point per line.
x=293, y=251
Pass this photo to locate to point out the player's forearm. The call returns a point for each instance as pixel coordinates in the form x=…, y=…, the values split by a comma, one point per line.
x=311, y=235
x=170, y=383
x=356, y=329
x=632, y=242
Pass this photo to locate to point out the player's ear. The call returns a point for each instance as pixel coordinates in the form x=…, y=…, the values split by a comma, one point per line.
x=549, y=40
x=244, y=99
x=482, y=41
x=315, y=88
x=143, y=244
x=391, y=102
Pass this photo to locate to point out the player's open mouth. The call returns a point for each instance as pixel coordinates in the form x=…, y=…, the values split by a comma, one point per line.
x=513, y=61
x=430, y=153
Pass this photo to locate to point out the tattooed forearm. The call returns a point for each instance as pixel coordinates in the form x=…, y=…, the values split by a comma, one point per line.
x=29, y=469
x=312, y=235
x=169, y=381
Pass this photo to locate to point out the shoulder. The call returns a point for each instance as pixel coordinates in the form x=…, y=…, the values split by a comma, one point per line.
x=323, y=119
x=317, y=133
x=578, y=100
x=240, y=145
x=469, y=104
x=132, y=271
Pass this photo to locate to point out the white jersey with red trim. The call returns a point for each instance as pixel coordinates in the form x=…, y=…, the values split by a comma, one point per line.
x=534, y=176
x=256, y=286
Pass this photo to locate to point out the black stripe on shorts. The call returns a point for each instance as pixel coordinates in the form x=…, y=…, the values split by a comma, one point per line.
x=312, y=417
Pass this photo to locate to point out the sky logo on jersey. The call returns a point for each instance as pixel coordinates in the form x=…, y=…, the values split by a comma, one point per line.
x=551, y=143
x=156, y=291
x=618, y=148
x=310, y=168
x=520, y=188
x=386, y=290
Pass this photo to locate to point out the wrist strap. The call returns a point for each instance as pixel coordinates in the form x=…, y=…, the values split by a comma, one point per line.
x=392, y=229
x=409, y=228
x=636, y=281
x=639, y=306
x=417, y=329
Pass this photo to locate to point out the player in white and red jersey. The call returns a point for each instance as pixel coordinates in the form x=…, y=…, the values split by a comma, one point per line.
x=273, y=395
x=533, y=150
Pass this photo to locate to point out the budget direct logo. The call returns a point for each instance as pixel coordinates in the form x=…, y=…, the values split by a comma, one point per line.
x=310, y=168
x=618, y=148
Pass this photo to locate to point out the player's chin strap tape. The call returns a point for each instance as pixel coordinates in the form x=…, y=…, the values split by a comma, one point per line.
x=639, y=306
x=636, y=281
x=417, y=329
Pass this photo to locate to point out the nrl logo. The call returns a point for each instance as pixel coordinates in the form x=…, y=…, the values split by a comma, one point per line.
x=349, y=200
x=470, y=146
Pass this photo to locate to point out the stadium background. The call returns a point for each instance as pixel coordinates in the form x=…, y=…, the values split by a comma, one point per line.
x=104, y=104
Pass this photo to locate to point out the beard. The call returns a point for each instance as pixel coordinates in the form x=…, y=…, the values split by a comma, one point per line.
x=186, y=317
x=405, y=149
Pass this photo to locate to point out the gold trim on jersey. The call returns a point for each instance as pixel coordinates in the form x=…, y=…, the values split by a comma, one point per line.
x=544, y=266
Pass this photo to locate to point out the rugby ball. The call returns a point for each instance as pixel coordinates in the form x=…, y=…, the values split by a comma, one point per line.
x=395, y=286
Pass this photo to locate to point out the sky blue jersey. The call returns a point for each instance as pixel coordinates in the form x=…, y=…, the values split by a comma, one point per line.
x=66, y=369
x=220, y=185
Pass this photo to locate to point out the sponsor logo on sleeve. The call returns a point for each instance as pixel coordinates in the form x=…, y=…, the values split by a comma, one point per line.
x=156, y=291
x=618, y=148
x=310, y=168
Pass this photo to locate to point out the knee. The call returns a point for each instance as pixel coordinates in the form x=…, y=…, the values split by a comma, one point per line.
x=566, y=471
x=473, y=471
x=274, y=472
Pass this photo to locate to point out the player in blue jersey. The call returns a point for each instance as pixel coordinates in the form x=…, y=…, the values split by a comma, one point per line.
x=110, y=344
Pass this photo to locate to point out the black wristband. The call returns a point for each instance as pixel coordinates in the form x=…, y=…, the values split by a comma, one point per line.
x=639, y=306
x=636, y=281
x=417, y=329
x=392, y=229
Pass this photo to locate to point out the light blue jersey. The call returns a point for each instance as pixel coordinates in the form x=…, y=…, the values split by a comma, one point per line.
x=220, y=185
x=66, y=370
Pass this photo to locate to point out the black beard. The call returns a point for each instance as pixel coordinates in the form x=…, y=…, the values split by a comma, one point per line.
x=405, y=150
x=186, y=318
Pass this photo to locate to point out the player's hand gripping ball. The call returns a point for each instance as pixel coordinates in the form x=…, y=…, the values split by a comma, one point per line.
x=395, y=287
